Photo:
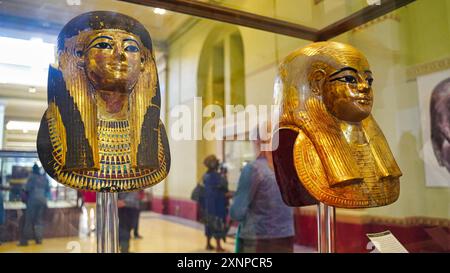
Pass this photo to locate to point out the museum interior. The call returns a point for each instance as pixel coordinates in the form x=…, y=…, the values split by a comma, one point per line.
x=219, y=65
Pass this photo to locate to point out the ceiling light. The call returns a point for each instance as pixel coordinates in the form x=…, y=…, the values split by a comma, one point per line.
x=24, y=126
x=159, y=11
x=23, y=52
x=21, y=65
x=73, y=2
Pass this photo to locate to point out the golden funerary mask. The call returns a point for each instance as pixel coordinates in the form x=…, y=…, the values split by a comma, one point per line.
x=330, y=148
x=101, y=130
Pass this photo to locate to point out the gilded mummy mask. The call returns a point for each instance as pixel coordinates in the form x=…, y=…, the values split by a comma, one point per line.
x=330, y=148
x=102, y=129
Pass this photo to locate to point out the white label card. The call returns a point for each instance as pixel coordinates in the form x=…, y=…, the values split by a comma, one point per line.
x=385, y=242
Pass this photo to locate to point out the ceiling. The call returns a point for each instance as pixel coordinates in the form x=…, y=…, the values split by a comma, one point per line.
x=51, y=15
x=26, y=19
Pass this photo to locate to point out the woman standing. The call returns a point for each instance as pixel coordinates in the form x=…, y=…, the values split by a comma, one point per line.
x=215, y=203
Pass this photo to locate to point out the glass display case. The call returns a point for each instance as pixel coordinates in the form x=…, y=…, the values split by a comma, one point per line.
x=62, y=214
x=219, y=58
x=15, y=170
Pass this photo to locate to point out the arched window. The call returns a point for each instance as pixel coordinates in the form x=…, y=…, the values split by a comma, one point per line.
x=221, y=77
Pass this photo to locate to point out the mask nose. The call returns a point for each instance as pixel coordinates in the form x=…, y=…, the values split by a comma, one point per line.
x=122, y=56
x=363, y=85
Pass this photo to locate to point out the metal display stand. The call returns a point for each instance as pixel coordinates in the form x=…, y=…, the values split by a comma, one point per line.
x=326, y=228
x=107, y=223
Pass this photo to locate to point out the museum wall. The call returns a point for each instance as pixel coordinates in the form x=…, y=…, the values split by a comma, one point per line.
x=184, y=54
x=400, y=41
x=393, y=44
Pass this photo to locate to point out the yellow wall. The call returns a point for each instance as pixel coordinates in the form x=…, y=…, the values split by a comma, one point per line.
x=184, y=54
x=416, y=34
x=392, y=46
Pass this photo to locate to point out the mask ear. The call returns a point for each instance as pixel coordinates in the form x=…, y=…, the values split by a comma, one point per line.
x=317, y=80
x=79, y=57
x=142, y=63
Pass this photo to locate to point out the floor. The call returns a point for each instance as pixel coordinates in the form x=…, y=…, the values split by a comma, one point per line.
x=160, y=234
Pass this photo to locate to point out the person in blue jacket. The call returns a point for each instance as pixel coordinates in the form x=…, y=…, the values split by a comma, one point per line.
x=266, y=223
x=36, y=191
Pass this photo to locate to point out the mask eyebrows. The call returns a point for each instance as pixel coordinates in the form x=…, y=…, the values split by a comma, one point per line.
x=344, y=69
x=99, y=37
x=131, y=40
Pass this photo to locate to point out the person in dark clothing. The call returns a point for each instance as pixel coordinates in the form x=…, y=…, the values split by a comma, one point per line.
x=128, y=207
x=135, y=228
x=214, y=203
x=2, y=211
x=36, y=192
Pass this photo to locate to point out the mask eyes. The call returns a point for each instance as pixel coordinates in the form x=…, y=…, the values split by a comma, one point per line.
x=106, y=45
x=132, y=48
x=348, y=79
x=352, y=80
x=103, y=45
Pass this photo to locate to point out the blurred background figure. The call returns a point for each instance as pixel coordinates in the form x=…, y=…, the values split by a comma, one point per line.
x=35, y=198
x=214, y=203
x=17, y=181
x=198, y=195
x=223, y=170
x=128, y=204
x=2, y=211
x=266, y=224
x=135, y=229
x=89, y=201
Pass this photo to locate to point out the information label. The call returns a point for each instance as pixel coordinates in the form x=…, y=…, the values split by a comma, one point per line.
x=385, y=242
